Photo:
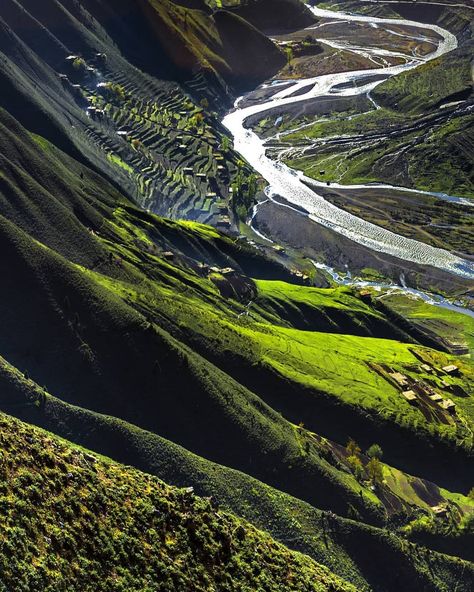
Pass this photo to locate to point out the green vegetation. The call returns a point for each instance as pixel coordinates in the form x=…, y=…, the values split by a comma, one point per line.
x=339, y=544
x=454, y=327
x=71, y=520
x=431, y=153
x=440, y=81
x=375, y=451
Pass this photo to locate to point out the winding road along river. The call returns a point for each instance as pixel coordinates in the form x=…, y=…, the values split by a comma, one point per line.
x=289, y=184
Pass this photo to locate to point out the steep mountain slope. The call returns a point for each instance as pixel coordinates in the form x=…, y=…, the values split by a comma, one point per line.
x=272, y=15
x=194, y=39
x=130, y=272
x=85, y=79
x=340, y=544
x=72, y=520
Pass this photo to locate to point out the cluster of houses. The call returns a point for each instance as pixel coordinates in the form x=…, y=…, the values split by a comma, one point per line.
x=414, y=390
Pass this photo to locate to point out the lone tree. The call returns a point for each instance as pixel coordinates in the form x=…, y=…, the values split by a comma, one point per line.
x=225, y=144
x=356, y=466
x=375, y=451
x=375, y=471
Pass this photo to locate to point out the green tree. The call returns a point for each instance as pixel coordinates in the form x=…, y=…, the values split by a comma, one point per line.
x=375, y=471
x=225, y=144
x=79, y=64
x=352, y=448
x=356, y=466
x=375, y=451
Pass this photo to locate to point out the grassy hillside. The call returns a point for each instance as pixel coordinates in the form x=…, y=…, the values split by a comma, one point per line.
x=70, y=519
x=127, y=287
x=342, y=545
x=437, y=83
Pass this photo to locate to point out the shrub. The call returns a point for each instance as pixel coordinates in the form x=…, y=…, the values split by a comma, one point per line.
x=352, y=448
x=79, y=64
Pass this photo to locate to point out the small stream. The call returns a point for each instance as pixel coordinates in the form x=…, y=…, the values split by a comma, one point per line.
x=392, y=288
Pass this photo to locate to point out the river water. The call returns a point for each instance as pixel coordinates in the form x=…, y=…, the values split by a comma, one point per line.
x=289, y=184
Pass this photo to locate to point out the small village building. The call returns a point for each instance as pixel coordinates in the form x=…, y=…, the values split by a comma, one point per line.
x=449, y=406
x=427, y=368
x=168, y=255
x=441, y=510
x=399, y=378
x=437, y=398
x=227, y=271
x=452, y=370
x=223, y=222
x=410, y=396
